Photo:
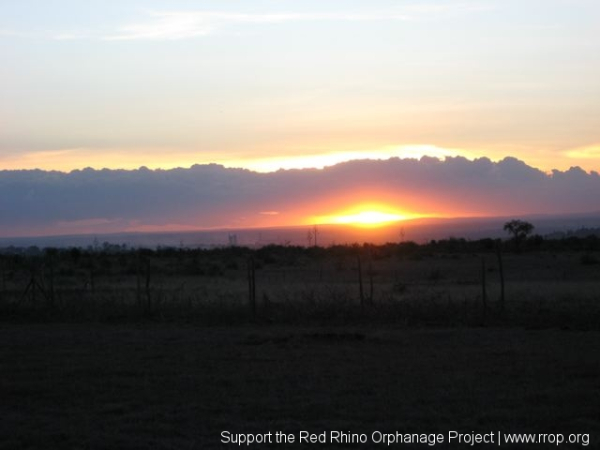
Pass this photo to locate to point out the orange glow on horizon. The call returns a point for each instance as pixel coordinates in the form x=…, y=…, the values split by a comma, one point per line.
x=366, y=216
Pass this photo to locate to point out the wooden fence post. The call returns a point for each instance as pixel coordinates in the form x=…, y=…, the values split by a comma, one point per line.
x=3, y=266
x=148, y=297
x=360, y=282
x=91, y=274
x=138, y=280
x=51, y=282
x=501, y=273
x=370, y=277
x=252, y=286
x=483, y=289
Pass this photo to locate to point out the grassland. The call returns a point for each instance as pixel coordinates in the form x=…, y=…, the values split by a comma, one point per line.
x=455, y=284
x=165, y=386
x=142, y=349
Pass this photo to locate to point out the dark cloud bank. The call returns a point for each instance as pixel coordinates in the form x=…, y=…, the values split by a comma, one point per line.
x=101, y=201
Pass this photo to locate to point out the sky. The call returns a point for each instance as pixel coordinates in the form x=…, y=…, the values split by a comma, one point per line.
x=272, y=84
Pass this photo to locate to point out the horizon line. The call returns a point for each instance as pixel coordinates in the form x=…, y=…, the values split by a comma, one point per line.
x=412, y=220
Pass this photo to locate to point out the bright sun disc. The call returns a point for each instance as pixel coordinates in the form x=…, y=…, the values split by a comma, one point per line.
x=368, y=218
x=363, y=218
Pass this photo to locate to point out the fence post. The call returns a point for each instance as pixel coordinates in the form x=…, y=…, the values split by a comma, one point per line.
x=360, y=282
x=92, y=280
x=33, y=287
x=370, y=277
x=252, y=286
x=3, y=266
x=501, y=273
x=50, y=260
x=148, y=298
x=483, y=289
x=138, y=280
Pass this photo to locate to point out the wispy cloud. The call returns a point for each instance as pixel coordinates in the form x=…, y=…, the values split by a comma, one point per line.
x=188, y=24
x=174, y=25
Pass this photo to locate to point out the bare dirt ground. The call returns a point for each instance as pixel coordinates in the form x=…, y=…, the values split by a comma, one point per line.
x=170, y=386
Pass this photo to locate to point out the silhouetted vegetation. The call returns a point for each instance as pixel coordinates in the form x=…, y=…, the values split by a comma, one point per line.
x=554, y=283
x=383, y=328
x=519, y=229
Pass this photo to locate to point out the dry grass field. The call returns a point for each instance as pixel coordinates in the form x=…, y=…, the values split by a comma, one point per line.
x=162, y=350
x=401, y=286
x=176, y=387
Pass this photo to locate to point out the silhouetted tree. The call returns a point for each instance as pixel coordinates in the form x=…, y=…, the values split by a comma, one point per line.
x=519, y=229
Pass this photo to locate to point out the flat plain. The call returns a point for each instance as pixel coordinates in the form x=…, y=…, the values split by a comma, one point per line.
x=161, y=350
x=179, y=386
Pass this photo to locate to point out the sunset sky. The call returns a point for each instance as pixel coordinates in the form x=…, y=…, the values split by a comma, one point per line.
x=281, y=83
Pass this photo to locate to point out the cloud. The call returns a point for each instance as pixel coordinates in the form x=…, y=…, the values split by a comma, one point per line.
x=175, y=25
x=188, y=24
x=211, y=196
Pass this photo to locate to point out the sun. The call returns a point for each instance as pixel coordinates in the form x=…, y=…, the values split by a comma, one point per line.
x=366, y=216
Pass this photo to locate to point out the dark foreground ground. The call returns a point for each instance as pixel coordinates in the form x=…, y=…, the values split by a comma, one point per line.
x=177, y=387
